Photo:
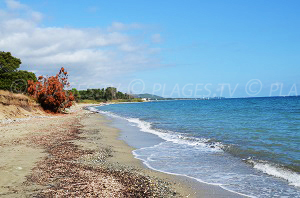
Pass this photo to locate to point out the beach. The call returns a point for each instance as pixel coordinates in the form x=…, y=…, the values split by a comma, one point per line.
x=149, y=99
x=228, y=143
x=79, y=154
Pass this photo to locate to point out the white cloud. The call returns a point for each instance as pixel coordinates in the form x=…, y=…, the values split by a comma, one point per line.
x=92, y=9
x=156, y=38
x=36, y=16
x=15, y=5
x=117, y=26
x=92, y=56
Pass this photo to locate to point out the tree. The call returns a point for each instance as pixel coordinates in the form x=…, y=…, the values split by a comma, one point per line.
x=76, y=94
x=8, y=63
x=50, y=92
x=16, y=81
x=10, y=78
x=110, y=93
x=120, y=95
x=89, y=94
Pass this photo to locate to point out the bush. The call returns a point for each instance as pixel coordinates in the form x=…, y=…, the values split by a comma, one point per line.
x=16, y=81
x=50, y=93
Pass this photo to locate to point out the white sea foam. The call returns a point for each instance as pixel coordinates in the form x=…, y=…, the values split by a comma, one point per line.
x=93, y=109
x=292, y=177
x=204, y=145
x=175, y=137
x=146, y=162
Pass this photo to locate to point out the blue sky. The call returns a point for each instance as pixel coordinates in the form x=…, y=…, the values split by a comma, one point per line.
x=169, y=48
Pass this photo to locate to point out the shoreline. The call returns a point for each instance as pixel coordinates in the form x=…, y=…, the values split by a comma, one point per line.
x=79, y=154
x=187, y=186
x=232, y=170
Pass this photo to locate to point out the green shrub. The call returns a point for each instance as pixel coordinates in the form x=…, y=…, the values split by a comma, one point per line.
x=16, y=81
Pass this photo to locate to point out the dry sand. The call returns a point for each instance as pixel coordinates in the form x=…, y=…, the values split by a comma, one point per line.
x=78, y=154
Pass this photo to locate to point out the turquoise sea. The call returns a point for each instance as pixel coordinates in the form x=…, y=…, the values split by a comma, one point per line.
x=250, y=145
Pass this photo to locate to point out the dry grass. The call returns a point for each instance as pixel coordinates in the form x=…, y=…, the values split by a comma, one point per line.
x=17, y=106
x=9, y=98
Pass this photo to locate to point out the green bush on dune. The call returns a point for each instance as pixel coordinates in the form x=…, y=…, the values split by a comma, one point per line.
x=11, y=78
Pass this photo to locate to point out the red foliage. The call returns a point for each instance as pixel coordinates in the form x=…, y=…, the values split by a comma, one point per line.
x=50, y=93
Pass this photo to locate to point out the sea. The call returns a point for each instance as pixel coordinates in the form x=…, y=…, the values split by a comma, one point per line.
x=250, y=146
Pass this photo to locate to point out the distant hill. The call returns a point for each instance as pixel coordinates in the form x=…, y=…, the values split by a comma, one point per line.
x=146, y=95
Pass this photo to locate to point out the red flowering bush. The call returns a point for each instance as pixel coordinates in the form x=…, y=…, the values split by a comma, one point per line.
x=50, y=92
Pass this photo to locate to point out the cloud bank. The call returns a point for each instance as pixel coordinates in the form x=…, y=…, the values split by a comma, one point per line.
x=93, y=56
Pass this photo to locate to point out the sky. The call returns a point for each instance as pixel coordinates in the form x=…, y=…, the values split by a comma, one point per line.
x=171, y=48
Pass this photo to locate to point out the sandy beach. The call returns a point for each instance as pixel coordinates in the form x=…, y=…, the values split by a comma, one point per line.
x=79, y=155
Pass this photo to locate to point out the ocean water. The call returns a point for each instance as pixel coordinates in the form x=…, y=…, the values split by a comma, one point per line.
x=250, y=146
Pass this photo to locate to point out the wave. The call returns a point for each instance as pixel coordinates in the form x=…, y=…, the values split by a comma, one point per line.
x=146, y=162
x=206, y=145
x=178, y=138
x=271, y=169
